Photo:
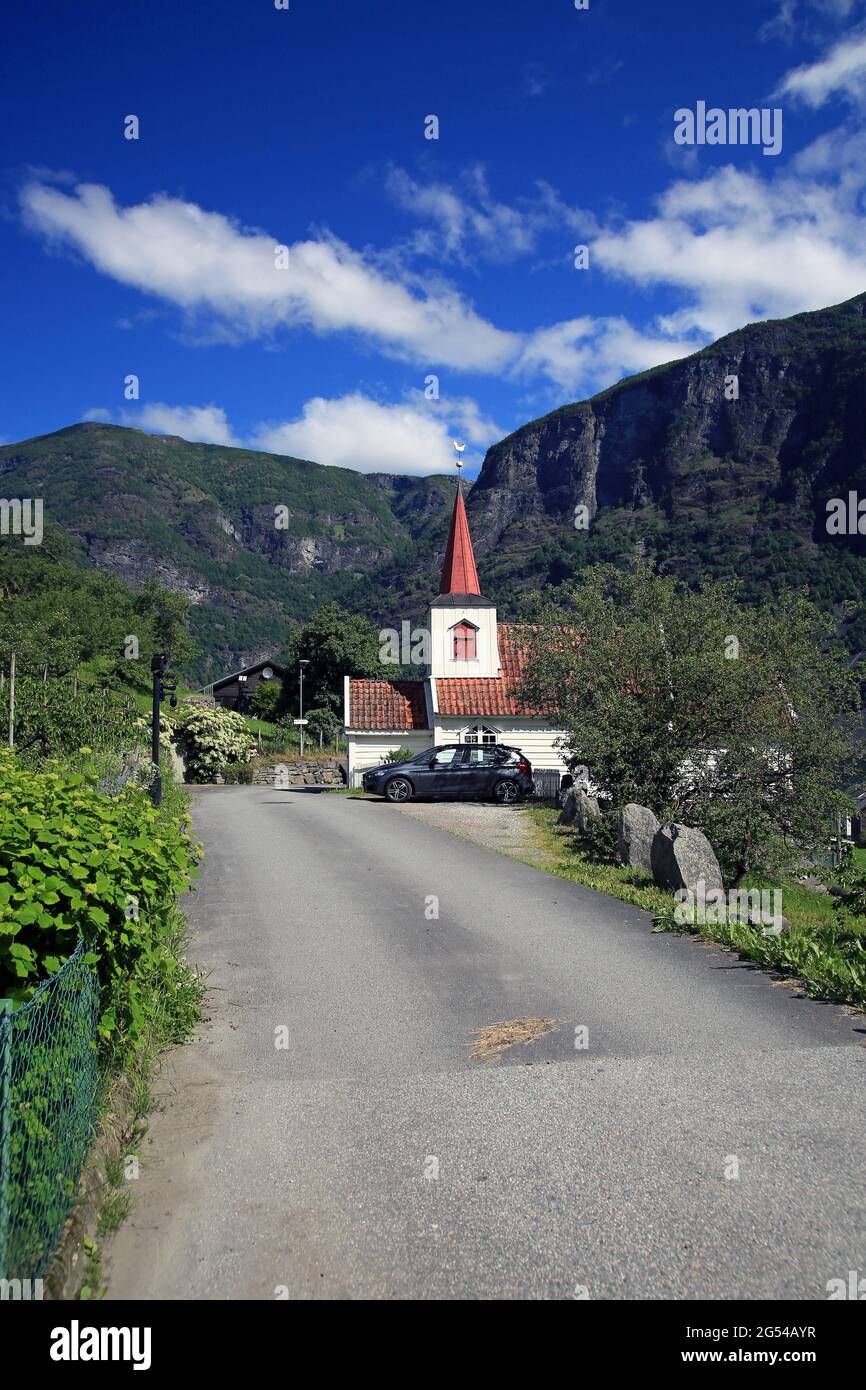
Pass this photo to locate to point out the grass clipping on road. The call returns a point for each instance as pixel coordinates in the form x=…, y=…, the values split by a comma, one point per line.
x=491, y=1042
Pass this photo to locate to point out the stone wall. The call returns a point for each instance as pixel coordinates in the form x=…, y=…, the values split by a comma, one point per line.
x=298, y=774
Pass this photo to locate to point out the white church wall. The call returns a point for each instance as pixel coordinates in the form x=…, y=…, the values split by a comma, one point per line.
x=534, y=738
x=369, y=749
x=442, y=623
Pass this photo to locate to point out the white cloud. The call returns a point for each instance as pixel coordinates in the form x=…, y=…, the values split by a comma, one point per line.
x=206, y=423
x=789, y=21
x=465, y=221
x=203, y=424
x=743, y=247
x=356, y=432
x=353, y=431
x=203, y=261
x=843, y=71
x=596, y=352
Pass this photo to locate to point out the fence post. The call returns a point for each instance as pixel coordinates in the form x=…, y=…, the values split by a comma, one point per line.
x=5, y=1128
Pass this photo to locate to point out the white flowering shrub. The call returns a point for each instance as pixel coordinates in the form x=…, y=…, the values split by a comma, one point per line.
x=167, y=724
x=211, y=738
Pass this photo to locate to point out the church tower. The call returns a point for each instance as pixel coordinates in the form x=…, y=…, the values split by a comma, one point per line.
x=462, y=622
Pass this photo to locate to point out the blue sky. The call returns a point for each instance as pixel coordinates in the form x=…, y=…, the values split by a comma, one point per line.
x=408, y=258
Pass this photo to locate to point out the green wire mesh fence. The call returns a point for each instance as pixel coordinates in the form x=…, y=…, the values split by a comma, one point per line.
x=48, y=1083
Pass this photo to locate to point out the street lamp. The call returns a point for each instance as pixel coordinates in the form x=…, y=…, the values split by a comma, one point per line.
x=161, y=688
x=301, y=665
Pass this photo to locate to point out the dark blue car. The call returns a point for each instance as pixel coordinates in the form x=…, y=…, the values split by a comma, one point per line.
x=488, y=772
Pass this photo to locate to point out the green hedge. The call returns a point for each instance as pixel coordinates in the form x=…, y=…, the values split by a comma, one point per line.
x=74, y=863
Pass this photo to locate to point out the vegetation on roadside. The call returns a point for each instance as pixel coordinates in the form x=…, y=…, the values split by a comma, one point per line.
x=212, y=740
x=824, y=948
x=85, y=858
x=78, y=864
x=740, y=721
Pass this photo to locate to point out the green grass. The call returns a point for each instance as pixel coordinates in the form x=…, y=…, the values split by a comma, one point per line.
x=824, y=950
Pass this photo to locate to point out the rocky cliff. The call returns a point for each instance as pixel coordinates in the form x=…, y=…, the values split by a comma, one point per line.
x=725, y=459
x=720, y=463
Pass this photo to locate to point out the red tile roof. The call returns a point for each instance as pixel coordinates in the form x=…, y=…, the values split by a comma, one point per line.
x=387, y=705
x=486, y=694
x=459, y=575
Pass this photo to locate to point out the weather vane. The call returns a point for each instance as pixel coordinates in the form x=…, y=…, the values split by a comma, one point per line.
x=459, y=447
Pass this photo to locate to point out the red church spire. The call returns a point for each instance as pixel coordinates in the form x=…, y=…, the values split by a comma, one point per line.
x=459, y=575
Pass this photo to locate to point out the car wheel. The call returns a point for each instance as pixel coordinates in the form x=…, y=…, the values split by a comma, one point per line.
x=505, y=793
x=398, y=789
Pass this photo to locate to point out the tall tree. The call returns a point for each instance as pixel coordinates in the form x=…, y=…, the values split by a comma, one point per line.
x=336, y=643
x=738, y=720
x=168, y=615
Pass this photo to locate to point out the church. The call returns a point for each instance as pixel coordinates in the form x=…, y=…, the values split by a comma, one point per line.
x=468, y=693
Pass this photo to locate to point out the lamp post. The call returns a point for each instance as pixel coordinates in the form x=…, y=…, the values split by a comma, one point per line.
x=301, y=665
x=161, y=688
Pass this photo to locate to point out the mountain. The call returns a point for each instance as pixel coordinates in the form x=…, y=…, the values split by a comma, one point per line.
x=204, y=520
x=664, y=464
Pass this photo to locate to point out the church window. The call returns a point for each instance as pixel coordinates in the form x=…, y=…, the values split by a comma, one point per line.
x=464, y=642
x=479, y=733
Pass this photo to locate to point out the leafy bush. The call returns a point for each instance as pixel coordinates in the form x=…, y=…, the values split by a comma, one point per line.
x=321, y=723
x=211, y=738
x=74, y=863
x=51, y=721
x=599, y=838
x=238, y=772
x=741, y=721
x=397, y=755
x=265, y=700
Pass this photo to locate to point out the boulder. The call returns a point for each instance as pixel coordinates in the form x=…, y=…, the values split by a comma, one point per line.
x=682, y=857
x=635, y=834
x=569, y=808
x=586, y=809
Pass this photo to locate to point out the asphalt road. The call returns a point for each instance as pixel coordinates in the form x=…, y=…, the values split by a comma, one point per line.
x=297, y=1148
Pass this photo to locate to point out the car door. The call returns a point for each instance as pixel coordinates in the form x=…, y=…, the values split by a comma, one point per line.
x=431, y=775
x=461, y=779
x=488, y=767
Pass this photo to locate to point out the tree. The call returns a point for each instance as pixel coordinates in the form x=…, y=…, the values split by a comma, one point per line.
x=321, y=723
x=734, y=719
x=265, y=700
x=167, y=612
x=336, y=643
x=51, y=722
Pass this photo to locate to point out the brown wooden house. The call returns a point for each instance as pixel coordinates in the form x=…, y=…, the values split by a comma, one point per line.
x=237, y=690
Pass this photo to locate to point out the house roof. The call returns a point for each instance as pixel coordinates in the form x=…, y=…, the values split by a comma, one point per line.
x=487, y=694
x=247, y=671
x=387, y=705
x=459, y=575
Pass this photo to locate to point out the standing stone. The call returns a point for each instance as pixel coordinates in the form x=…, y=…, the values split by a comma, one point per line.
x=635, y=834
x=586, y=809
x=682, y=857
x=569, y=808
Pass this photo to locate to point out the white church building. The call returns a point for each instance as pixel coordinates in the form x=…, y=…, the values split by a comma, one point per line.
x=468, y=695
